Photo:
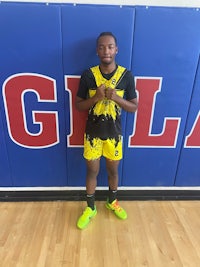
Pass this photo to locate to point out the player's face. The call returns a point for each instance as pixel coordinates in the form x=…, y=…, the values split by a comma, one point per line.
x=107, y=49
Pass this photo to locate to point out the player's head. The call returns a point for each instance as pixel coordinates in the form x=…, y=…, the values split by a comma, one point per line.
x=106, y=47
x=106, y=34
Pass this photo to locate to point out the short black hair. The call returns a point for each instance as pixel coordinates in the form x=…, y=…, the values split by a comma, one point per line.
x=106, y=34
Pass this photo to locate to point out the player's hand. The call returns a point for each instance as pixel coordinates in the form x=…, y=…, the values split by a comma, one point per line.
x=111, y=94
x=100, y=92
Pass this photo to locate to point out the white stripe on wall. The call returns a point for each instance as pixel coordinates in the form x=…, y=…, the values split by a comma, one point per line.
x=64, y=188
x=169, y=3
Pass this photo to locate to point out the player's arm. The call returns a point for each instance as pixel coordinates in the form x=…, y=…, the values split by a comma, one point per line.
x=84, y=104
x=127, y=105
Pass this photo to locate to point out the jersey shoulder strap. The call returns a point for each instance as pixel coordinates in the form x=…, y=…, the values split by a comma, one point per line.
x=113, y=80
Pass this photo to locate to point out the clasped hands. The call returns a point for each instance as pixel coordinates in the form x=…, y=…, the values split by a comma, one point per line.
x=103, y=92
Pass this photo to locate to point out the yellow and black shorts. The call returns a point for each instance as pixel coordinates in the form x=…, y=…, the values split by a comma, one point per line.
x=107, y=148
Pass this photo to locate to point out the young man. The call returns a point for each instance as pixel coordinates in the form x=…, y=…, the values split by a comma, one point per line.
x=101, y=92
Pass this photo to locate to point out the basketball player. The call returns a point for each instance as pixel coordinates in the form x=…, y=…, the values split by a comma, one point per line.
x=104, y=90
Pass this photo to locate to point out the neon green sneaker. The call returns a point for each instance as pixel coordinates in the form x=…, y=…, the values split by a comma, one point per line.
x=115, y=207
x=84, y=219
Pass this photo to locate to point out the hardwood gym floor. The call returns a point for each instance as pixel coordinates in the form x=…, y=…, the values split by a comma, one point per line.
x=44, y=234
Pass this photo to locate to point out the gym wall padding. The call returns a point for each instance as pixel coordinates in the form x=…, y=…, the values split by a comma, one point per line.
x=31, y=42
x=188, y=170
x=43, y=51
x=166, y=46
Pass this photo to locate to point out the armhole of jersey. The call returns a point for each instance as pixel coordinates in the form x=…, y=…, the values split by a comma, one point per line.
x=93, y=69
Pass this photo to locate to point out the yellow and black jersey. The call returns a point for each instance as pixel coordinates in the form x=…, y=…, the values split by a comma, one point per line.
x=104, y=117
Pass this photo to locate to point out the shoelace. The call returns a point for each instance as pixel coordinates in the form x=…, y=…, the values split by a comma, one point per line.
x=116, y=206
x=87, y=211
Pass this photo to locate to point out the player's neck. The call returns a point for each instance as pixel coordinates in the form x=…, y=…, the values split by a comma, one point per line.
x=107, y=68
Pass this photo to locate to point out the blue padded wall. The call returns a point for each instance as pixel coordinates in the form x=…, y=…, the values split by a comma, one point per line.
x=45, y=48
x=188, y=171
x=166, y=47
x=31, y=42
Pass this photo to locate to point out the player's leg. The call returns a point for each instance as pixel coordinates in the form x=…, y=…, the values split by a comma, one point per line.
x=112, y=202
x=113, y=154
x=112, y=171
x=91, y=181
x=92, y=154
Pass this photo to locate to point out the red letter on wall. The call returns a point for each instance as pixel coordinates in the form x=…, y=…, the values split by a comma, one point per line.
x=142, y=137
x=14, y=90
x=193, y=140
x=77, y=119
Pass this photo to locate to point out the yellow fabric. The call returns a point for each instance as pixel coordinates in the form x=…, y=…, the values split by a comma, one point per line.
x=107, y=107
x=108, y=148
